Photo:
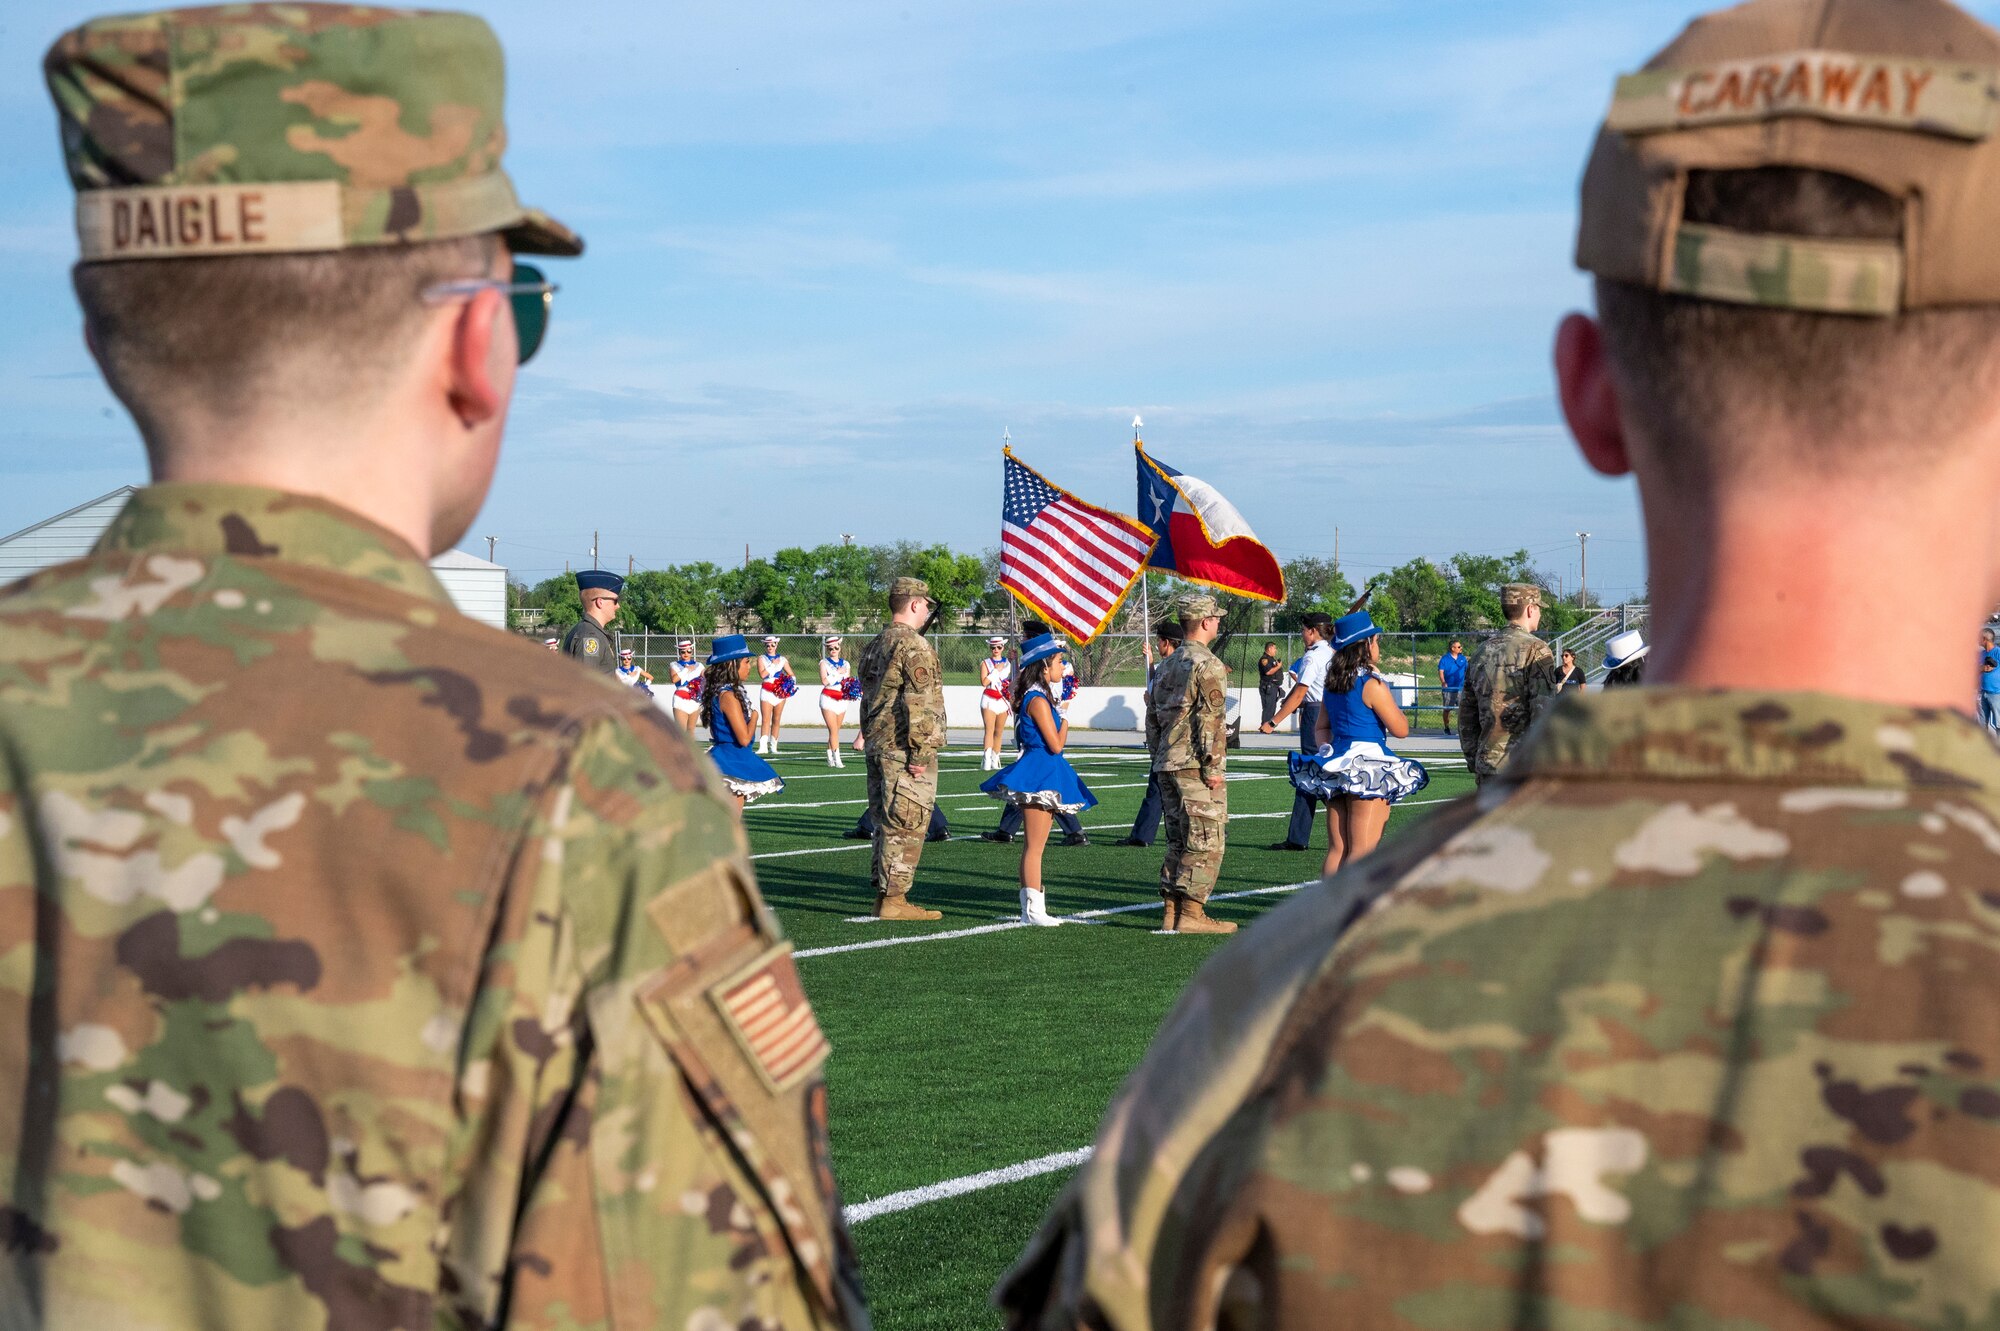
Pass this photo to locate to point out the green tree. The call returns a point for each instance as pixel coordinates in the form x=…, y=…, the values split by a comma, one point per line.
x=1313, y=585
x=558, y=599
x=1422, y=594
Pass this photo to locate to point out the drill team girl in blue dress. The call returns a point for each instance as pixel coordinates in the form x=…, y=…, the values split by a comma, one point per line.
x=1040, y=782
x=726, y=709
x=1353, y=769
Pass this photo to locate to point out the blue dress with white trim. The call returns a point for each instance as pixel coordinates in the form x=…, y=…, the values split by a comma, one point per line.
x=742, y=770
x=1357, y=761
x=1038, y=779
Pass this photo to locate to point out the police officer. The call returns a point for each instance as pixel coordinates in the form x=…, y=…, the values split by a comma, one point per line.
x=1188, y=739
x=1687, y=1019
x=1509, y=684
x=587, y=639
x=388, y=974
x=902, y=718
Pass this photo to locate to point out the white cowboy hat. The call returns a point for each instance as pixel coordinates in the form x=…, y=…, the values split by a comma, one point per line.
x=1626, y=647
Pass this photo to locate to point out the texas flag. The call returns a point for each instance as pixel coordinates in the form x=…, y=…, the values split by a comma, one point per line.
x=1200, y=536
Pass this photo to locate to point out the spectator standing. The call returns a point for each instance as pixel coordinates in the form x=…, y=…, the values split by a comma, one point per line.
x=1451, y=679
x=1570, y=674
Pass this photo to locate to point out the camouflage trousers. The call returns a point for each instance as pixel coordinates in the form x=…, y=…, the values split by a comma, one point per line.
x=901, y=804
x=1195, y=823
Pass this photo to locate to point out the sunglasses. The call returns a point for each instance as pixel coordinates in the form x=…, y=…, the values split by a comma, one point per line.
x=530, y=294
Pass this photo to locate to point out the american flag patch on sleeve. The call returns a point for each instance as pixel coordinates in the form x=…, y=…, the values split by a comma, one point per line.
x=765, y=1008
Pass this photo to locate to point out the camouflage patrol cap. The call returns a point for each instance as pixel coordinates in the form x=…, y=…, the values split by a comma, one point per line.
x=904, y=588
x=1198, y=606
x=286, y=128
x=1903, y=95
x=1519, y=596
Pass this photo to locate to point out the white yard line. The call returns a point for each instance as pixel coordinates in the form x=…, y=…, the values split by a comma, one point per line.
x=958, y=1187
x=1132, y=909
x=762, y=806
x=1088, y=827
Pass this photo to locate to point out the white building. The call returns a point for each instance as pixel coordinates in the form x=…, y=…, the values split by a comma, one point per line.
x=476, y=587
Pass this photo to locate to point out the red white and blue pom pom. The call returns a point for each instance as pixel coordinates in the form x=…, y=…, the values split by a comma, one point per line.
x=1068, y=687
x=785, y=685
x=850, y=689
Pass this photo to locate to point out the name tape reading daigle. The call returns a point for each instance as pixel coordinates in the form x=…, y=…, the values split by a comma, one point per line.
x=1885, y=91
x=170, y=221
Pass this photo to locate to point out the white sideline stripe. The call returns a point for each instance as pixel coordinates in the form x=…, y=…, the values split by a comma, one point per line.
x=1088, y=827
x=958, y=1187
x=1134, y=908
x=760, y=806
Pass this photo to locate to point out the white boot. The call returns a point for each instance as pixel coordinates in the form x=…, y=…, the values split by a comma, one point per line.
x=1035, y=908
x=839, y=758
x=833, y=757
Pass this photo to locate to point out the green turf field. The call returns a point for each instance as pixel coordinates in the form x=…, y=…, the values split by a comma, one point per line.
x=975, y=1053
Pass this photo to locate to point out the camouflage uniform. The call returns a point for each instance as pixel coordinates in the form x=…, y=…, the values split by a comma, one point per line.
x=1687, y=1021
x=1508, y=687
x=366, y=969
x=1187, y=736
x=1688, y=1018
x=381, y=965
x=902, y=718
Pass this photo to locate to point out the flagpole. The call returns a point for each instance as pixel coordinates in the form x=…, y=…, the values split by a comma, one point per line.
x=1145, y=583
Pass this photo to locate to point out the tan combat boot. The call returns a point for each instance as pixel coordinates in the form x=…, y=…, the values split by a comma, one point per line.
x=1195, y=920
x=899, y=908
x=1170, y=921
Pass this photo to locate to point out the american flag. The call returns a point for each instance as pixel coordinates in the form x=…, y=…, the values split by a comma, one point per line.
x=766, y=1007
x=1071, y=561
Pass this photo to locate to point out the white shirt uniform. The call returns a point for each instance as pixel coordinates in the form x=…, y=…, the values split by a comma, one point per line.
x=837, y=673
x=994, y=677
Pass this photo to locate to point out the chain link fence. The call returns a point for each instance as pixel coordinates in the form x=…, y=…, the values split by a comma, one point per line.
x=1119, y=659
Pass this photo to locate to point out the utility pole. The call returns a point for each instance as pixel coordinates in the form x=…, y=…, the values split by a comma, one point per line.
x=628, y=566
x=593, y=549
x=746, y=554
x=1336, y=549
x=491, y=541
x=1583, y=579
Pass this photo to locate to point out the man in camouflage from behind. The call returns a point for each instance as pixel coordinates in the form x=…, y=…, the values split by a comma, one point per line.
x=1508, y=686
x=1687, y=1019
x=1187, y=736
x=367, y=969
x=902, y=720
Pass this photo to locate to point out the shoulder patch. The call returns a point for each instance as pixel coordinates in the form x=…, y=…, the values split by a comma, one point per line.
x=765, y=1008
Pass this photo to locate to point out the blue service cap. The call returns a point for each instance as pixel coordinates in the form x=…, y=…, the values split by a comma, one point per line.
x=600, y=580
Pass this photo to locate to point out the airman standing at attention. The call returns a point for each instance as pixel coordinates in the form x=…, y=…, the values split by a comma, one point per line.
x=1688, y=1018
x=1509, y=685
x=1188, y=737
x=366, y=967
x=587, y=639
x=902, y=717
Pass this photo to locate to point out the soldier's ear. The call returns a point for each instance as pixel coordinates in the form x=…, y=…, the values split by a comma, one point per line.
x=1590, y=396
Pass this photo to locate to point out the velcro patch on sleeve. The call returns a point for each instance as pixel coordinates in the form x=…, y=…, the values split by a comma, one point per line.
x=1957, y=101
x=765, y=1008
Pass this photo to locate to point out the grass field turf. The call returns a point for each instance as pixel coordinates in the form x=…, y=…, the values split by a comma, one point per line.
x=974, y=1053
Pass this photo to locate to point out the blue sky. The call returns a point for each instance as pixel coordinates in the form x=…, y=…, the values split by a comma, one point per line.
x=836, y=249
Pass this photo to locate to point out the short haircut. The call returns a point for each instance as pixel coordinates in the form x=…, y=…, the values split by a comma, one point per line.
x=1848, y=390
x=898, y=604
x=231, y=330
